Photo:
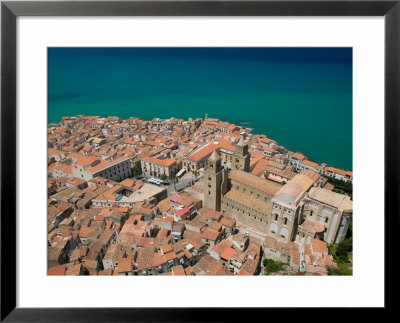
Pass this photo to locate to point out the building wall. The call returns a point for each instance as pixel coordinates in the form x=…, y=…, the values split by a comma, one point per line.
x=192, y=166
x=251, y=191
x=283, y=222
x=156, y=170
x=80, y=172
x=336, y=223
x=123, y=169
x=343, y=227
x=243, y=214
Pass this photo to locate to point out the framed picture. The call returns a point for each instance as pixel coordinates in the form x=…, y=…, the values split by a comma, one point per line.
x=41, y=45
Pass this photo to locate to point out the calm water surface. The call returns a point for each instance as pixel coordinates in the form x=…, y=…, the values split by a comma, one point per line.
x=300, y=97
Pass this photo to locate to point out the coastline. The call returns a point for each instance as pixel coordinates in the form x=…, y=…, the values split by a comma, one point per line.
x=245, y=125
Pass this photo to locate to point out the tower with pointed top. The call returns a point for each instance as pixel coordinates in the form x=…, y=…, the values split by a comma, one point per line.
x=215, y=182
x=241, y=158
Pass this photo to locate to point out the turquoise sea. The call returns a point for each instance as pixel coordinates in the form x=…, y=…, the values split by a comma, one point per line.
x=300, y=97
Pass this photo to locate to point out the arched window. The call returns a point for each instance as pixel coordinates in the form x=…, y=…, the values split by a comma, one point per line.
x=285, y=221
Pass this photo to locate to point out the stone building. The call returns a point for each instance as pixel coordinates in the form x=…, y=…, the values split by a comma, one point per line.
x=287, y=207
x=332, y=211
x=159, y=165
x=297, y=211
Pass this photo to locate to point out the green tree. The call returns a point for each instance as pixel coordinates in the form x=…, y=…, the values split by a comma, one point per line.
x=344, y=248
x=349, y=232
x=136, y=172
x=342, y=270
x=346, y=187
x=272, y=266
x=266, y=174
x=155, y=230
x=118, y=178
x=163, y=177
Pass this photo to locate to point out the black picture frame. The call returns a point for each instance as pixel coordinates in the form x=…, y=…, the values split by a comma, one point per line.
x=10, y=10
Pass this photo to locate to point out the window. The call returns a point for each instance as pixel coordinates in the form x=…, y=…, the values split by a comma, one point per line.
x=276, y=217
x=326, y=220
x=311, y=213
x=209, y=192
x=285, y=221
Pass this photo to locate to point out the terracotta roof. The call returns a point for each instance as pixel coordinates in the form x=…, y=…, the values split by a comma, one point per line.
x=227, y=253
x=163, y=162
x=319, y=246
x=178, y=271
x=74, y=270
x=291, y=192
x=227, y=221
x=339, y=201
x=319, y=227
x=83, y=160
x=210, y=234
x=105, y=164
x=338, y=171
x=310, y=163
x=260, y=167
x=182, y=211
x=57, y=270
x=124, y=265
x=298, y=156
x=203, y=152
x=256, y=182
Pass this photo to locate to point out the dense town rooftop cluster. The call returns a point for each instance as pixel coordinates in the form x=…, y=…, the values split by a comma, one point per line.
x=105, y=217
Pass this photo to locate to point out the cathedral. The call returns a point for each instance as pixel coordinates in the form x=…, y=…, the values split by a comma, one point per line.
x=299, y=210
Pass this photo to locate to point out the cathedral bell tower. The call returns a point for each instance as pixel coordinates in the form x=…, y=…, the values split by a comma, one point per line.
x=241, y=158
x=214, y=182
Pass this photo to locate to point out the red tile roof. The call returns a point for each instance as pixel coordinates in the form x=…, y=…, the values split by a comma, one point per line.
x=57, y=270
x=227, y=253
x=205, y=151
x=124, y=265
x=163, y=162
